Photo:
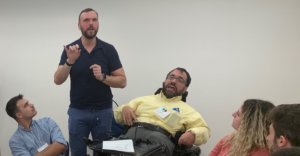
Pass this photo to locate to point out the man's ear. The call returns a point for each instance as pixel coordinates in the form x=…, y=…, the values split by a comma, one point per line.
x=19, y=115
x=282, y=142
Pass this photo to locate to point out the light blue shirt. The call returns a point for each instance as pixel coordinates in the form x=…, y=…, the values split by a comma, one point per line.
x=27, y=142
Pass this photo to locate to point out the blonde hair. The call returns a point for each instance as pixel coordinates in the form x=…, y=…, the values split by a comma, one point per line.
x=252, y=130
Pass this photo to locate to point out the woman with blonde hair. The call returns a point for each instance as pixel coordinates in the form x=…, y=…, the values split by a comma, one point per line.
x=251, y=128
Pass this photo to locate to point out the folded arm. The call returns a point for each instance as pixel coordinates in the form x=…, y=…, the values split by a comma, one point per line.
x=53, y=149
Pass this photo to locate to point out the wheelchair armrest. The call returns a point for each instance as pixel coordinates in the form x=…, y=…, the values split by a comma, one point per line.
x=87, y=141
x=93, y=145
x=183, y=150
x=187, y=151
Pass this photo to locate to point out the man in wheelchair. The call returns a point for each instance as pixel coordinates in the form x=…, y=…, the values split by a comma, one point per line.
x=155, y=122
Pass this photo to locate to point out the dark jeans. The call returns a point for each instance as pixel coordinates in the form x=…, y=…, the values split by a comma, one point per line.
x=84, y=122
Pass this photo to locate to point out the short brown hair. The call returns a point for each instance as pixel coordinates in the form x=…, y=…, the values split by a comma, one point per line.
x=11, y=106
x=87, y=10
x=285, y=119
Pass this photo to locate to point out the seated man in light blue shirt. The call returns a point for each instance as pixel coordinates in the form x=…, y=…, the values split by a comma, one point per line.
x=33, y=137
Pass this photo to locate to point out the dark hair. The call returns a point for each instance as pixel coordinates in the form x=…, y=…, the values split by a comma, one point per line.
x=87, y=10
x=188, y=80
x=11, y=106
x=292, y=151
x=286, y=122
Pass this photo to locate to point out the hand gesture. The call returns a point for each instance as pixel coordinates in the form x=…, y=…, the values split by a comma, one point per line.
x=97, y=71
x=73, y=53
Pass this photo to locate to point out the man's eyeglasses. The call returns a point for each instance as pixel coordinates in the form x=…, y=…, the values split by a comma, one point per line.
x=179, y=79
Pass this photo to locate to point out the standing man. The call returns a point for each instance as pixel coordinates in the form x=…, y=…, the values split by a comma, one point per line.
x=284, y=129
x=94, y=66
x=33, y=137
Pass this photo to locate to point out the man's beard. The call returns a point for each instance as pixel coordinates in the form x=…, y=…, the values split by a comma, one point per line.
x=87, y=35
x=170, y=95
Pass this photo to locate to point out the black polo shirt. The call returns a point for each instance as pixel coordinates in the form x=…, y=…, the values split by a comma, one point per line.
x=86, y=91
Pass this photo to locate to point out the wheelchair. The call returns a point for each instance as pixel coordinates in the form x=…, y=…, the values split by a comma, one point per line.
x=144, y=147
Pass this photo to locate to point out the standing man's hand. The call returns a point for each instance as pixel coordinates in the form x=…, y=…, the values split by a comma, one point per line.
x=73, y=53
x=128, y=115
x=97, y=71
x=63, y=70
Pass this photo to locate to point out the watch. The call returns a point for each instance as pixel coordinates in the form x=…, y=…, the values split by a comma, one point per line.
x=68, y=64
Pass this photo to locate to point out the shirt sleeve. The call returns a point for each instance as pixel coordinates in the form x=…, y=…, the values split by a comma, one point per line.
x=132, y=104
x=113, y=57
x=63, y=58
x=18, y=148
x=194, y=122
x=118, y=114
x=55, y=132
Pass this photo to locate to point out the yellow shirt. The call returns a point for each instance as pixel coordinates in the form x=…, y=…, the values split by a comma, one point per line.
x=180, y=116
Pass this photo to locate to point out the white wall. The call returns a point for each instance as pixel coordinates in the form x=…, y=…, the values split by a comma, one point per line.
x=233, y=49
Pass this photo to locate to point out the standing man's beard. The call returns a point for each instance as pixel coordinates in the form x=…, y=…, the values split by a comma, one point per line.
x=87, y=35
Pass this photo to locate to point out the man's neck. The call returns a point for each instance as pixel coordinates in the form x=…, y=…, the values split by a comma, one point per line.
x=88, y=44
x=25, y=123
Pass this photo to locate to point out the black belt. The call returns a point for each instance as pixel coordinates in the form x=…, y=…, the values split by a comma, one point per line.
x=152, y=128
